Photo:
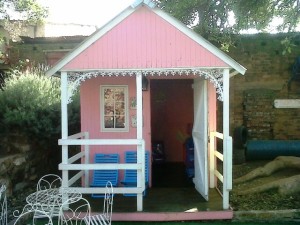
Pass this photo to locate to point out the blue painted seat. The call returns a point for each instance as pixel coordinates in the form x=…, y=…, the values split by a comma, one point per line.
x=101, y=177
x=130, y=176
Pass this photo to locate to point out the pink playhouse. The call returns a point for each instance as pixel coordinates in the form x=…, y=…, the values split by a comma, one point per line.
x=146, y=77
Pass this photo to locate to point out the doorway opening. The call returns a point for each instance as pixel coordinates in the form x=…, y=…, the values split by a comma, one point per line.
x=171, y=125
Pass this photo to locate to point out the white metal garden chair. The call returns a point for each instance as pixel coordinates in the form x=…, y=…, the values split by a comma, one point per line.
x=78, y=211
x=74, y=211
x=3, y=205
x=105, y=217
x=48, y=183
x=28, y=217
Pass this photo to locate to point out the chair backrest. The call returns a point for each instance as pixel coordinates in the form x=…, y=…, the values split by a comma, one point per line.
x=100, y=177
x=3, y=205
x=74, y=211
x=27, y=217
x=131, y=157
x=49, y=181
x=108, y=202
x=106, y=158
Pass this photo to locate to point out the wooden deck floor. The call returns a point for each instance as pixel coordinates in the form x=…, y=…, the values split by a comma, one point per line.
x=171, y=196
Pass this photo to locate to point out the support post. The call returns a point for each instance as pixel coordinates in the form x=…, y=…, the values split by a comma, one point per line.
x=139, y=135
x=64, y=125
x=227, y=149
x=86, y=160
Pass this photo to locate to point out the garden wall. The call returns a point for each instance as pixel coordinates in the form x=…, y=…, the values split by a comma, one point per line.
x=267, y=78
x=22, y=162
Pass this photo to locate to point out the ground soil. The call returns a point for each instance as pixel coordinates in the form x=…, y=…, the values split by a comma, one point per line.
x=270, y=200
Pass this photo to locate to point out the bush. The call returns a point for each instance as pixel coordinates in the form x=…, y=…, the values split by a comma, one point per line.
x=30, y=104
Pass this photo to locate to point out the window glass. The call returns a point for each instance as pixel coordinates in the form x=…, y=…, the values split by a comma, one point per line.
x=114, y=107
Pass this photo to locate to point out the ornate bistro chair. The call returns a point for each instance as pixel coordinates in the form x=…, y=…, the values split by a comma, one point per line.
x=3, y=205
x=27, y=217
x=49, y=181
x=46, y=193
x=105, y=217
x=74, y=211
x=78, y=211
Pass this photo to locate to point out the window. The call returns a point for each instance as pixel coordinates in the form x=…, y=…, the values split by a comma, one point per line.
x=114, y=108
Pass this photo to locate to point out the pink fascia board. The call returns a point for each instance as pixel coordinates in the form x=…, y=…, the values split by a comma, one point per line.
x=144, y=40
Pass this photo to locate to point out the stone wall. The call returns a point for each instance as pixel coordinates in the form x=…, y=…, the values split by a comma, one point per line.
x=267, y=77
x=23, y=160
x=20, y=162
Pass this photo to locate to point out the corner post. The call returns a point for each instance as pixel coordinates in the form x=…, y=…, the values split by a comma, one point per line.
x=227, y=147
x=64, y=125
x=139, y=136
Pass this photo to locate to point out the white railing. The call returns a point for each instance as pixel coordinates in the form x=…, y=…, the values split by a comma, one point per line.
x=225, y=157
x=69, y=164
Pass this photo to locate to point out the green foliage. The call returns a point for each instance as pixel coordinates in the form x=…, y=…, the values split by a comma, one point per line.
x=27, y=10
x=288, y=45
x=216, y=20
x=15, y=16
x=30, y=103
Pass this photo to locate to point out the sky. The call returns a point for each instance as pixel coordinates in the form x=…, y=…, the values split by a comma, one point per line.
x=92, y=12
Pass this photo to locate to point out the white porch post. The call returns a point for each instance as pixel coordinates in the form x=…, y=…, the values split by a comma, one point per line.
x=227, y=142
x=139, y=134
x=64, y=125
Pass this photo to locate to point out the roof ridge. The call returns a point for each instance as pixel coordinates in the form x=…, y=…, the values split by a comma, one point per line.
x=149, y=3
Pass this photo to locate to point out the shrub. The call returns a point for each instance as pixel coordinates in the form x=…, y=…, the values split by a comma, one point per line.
x=30, y=104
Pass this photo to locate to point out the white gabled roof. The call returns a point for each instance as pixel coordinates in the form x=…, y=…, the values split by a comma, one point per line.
x=128, y=11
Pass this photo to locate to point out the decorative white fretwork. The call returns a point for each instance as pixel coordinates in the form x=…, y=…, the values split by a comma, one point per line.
x=215, y=76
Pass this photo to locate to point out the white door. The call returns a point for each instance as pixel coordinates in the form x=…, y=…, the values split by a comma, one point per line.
x=200, y=137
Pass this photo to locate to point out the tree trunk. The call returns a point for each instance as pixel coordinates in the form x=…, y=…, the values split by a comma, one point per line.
x=285, y=186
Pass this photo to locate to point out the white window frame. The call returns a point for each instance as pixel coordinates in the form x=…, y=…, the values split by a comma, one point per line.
x=102, y=114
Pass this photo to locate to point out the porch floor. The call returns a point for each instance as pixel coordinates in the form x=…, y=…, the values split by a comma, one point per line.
x=171, y=195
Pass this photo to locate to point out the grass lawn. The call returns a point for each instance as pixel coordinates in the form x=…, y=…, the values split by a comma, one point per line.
x=201, y=223
x=191, y=223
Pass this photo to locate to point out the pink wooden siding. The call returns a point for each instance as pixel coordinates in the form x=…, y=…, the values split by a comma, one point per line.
x=90, y=114
x=144, y=40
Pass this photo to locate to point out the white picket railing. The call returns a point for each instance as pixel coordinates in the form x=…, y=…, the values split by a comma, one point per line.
x=225, y=157
x=84, y=166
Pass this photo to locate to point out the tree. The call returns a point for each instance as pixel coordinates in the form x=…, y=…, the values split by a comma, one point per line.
x=216, y=20
x=26, y=10
x=14, y=16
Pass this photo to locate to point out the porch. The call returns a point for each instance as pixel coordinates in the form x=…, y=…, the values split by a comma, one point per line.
x=172, y=198
x=158, y=195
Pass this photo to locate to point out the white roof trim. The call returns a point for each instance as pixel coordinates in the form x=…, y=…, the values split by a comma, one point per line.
x=146, y=2
x=128, y=11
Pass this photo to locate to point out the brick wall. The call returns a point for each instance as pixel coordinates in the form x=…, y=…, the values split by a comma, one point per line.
x=266, y=79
